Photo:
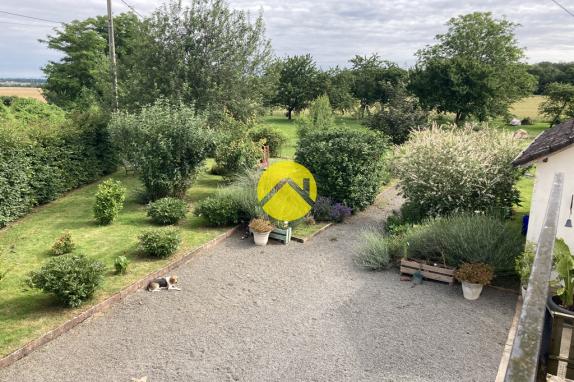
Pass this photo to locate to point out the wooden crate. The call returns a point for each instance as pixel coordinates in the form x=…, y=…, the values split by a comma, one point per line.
x=429, y=272
x=283, y=235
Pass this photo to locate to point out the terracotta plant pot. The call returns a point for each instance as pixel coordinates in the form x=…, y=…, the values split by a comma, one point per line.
x=261, y=238
x=471, y=291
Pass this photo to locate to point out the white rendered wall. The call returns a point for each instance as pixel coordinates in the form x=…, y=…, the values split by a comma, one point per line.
x=562, y=161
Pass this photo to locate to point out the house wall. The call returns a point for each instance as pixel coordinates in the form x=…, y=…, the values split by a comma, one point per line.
x=562, y=161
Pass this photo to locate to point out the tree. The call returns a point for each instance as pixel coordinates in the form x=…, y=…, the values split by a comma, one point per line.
x=474, y=69
x=374, y=80
x=548, y=72
x=339, y=89
x=300, y=82
x=167, y=145
x=205, y=54
x=559, y=103
x=82, y=77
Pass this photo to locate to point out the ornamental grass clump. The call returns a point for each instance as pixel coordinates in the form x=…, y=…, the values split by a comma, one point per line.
x=448, y=170
x=475, y=273
x=261, y=225
x=374, y=252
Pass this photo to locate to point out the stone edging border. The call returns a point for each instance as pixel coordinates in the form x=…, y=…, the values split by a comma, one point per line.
x=107, y=303
x=307, y=238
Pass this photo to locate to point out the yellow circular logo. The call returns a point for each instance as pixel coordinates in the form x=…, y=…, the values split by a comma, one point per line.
x=287, y=191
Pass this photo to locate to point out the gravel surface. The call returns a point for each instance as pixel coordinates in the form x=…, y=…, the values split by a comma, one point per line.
x=302, y=312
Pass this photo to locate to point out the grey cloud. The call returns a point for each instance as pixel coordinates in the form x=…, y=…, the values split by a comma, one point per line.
x=333, y=31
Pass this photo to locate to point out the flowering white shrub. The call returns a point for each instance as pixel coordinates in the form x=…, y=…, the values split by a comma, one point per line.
x=445, y=170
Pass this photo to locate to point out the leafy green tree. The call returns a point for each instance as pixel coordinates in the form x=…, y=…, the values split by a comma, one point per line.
x=548, y=72
x=339, y=89
x=374, y=80
x=205, y=54
x=300, y=82
x=559, y=103
x=474, y=69
x=82, y=77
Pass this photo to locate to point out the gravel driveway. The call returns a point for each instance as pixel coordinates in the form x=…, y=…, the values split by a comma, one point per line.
x=302, y=312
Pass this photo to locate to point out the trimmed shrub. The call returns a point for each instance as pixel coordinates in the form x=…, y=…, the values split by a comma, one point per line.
x=270, y=137
x=121, y=265
x=166, y=211
x=72, y=278
x=219, y=211
x=109, y=201
x=346, y=163
x=466, y=238
x=236, y=154
x=161, y=242
x=167, y=145
x=321, y=113
x=443, y=171
x=63, y=245
x=374, y=251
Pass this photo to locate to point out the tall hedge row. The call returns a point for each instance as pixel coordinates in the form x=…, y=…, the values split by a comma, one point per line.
x=39, y=162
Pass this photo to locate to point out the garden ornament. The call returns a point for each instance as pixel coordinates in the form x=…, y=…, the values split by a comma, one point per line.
x=569, y=221
x=417, y=278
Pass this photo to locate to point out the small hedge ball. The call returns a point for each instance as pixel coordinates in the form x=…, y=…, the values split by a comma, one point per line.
x=160, y=243
x=167, y=211
x=63, y=245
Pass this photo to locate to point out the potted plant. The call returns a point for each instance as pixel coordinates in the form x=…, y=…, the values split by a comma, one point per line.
x=473, y=277
x=523, y=266
x=261, y=229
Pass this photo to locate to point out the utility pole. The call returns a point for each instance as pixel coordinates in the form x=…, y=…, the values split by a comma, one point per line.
x=113, y=65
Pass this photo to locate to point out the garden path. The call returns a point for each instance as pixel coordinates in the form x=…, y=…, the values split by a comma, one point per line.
x=302, y=312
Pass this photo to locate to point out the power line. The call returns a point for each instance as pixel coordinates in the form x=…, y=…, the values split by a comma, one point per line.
x=132, y=8
x=32, y=17
x=29, y=25
x=564, y=8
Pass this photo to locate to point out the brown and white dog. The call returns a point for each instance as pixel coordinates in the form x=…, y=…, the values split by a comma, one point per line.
x=167, y=283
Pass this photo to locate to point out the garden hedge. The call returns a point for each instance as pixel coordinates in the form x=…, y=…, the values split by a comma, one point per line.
x=40, y=161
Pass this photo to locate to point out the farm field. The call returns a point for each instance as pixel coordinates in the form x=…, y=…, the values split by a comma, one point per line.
x=25, y=92
x=25, y=314
x=528, y=107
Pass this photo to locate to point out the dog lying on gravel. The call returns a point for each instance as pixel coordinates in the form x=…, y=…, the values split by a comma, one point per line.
x=167, y=283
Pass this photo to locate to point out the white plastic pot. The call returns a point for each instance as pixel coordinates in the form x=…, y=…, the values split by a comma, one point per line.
x=471, y=291
x=261, y=238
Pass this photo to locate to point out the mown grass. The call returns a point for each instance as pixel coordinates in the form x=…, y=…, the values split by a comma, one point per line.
x=24, y=313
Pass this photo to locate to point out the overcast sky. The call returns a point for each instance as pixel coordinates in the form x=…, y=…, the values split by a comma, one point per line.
x=331, y=30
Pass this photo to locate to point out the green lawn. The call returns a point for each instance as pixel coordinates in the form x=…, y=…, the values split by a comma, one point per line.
x=25, y=314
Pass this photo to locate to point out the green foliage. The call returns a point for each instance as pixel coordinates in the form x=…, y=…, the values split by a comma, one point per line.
x=442, y=171
x=271, y=137
x=109, y=201
x=320, y=113
x=221, y=210
x=22, y=112
x=39, y=162
x=346, y=163
x=214, y=64
x=564, y=266
x=559, y=103
x=548, y=72
x=166, y=211
x=396, y=119
x=300, y=82
x=524, y=262
x=166, y=143
x=63, y=245
x=235, y=153
x=72, y=278
x=81, y=77
x=474, y=70
x=339, y=89
x=374, y=251
x=466, y=238
x=160, y=243
x=243, y=191
x=121, y=265
x=374, y=80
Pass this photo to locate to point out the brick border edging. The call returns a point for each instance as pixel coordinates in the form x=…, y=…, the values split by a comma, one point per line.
x=107, y=303
x=307, y=238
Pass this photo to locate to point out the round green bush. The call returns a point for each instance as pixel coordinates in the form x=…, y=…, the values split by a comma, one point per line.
x=167, y=210
x=220, y=210
x=161, y=243
x=236, y=154
x=346, y=163
x=273, y=138
x=109, y=201
x=72, y=278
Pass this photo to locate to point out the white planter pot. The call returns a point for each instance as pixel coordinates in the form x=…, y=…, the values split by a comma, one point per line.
x=260, y=238
x=471, y=291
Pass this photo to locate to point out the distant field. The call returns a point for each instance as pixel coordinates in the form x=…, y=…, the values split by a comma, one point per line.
x=528, y=107
x=35, y=93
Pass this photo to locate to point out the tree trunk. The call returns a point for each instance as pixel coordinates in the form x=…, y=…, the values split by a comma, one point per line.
x=289, y=112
